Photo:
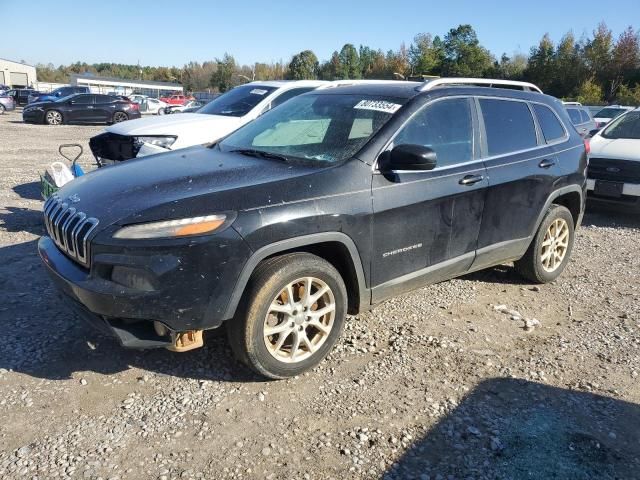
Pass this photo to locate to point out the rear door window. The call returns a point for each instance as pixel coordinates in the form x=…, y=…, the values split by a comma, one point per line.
x=551, y=127
x=105, y=98
x=509, y=126
x=83, y=99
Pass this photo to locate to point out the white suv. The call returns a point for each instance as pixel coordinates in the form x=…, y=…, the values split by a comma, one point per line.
x=221, y=116
x=613, y=174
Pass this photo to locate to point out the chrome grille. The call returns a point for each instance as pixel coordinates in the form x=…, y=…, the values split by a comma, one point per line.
x=68, y=228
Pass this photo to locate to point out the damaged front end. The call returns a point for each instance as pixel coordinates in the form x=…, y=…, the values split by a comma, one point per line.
x=111, y=148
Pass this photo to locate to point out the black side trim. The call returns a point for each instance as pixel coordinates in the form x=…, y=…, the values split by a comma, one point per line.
x=435, y=273
x=289, y=244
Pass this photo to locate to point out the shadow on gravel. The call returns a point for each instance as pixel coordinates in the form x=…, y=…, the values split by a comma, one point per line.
x=503, y=274
x=516, y=429
x=28, y=191
x=600, y=216
x=43, y=339
x=18, y=219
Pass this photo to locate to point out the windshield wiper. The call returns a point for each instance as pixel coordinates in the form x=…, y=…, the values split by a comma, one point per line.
x=250, y=152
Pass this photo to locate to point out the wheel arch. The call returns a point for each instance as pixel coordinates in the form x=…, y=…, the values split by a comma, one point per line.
x=335, y=247
x=571, y=197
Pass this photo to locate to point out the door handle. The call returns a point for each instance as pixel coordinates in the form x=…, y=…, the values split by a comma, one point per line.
x=547, y=163
x=471, y=180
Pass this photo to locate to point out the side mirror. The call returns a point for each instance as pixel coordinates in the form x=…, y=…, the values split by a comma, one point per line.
x=409, y=157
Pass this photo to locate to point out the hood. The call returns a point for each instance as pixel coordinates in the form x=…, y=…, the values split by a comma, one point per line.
x=191, y=182
x=191, y=128
x=40, y=103
x=619, y=148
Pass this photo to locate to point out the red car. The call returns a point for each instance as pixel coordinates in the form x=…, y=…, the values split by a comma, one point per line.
x=177, y=99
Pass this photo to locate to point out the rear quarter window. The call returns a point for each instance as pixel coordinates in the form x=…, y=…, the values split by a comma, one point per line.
x=551, y=127
x=574, y=115
x=509, y=126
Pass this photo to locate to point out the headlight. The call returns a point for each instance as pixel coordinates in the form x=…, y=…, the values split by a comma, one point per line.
x=164, y=142
x=172, y=228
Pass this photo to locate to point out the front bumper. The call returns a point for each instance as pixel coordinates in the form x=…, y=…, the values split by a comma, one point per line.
x=188, y=286
x=629, y=198
x=33, y=116
x=114, y=147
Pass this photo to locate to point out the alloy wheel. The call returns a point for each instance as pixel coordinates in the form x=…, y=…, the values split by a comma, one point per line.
x=555, y=245
x=299, y=320
x=119, y=117
x=54, y=118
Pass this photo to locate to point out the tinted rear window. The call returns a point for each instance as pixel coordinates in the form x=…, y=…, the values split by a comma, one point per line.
x=551, y=127
x=509, y=126
x=574, y=115
x=585, y=116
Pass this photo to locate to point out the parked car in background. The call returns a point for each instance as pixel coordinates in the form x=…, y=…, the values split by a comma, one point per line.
x=607, y=114
x=191, y=104
x=21, y=95
x=614, y=163
x=149, y=105
x=177, y=99
x=218, y=118
x=57, y=93
x=329, y=204
x=580, y=118
x=4, y=89
x=6, y=104
x=82, y=108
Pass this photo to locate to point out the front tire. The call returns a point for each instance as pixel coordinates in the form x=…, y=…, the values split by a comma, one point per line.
x=53, y=117
x=295, y=311
x=551, y=248
x=2, y=109
x=161, y=111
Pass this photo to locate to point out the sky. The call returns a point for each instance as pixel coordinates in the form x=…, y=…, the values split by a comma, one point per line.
x=163, y=33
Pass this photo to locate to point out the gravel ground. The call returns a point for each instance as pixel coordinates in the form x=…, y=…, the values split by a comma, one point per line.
x=483, y=377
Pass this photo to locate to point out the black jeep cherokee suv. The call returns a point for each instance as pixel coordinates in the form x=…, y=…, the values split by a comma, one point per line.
x=328, y=204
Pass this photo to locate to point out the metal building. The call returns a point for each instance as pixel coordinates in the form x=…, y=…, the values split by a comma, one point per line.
x=16, y=74
x=125, y=87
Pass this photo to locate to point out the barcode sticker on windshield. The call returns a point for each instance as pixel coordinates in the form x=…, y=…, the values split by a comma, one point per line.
x=377, y=105
x=258, y=91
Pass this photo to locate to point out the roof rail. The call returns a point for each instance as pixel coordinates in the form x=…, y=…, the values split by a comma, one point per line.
x=576, y=104
x=346, y=83
x=489, y=82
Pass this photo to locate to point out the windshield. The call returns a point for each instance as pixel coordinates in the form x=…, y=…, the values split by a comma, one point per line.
x=238, y=101
x=626, y=126
x=325, y=128
x=609, y=112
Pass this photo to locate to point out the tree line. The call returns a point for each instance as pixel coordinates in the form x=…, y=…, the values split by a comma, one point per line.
x=594, y=69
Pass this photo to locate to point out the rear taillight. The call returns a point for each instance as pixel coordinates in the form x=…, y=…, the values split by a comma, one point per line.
x=587, y=146
x=134, y=106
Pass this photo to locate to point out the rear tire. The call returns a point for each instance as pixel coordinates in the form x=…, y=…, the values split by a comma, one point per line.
x=53, y=117
x=550, y=250
x=302, y=300
x=120, y=117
